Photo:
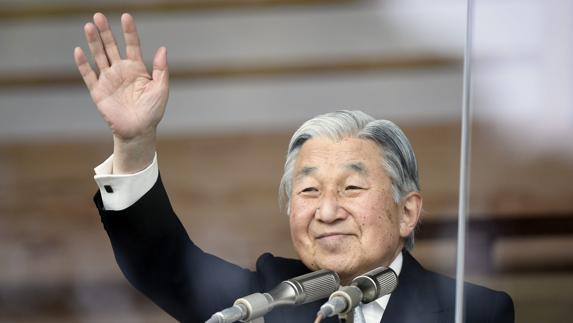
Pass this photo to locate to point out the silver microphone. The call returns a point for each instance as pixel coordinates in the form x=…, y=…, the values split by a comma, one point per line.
x=299, y=290
x=364, y=288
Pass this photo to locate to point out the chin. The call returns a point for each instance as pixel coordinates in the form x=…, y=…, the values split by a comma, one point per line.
x=341, y=265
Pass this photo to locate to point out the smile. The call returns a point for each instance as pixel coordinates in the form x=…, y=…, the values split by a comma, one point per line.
x=332, y=235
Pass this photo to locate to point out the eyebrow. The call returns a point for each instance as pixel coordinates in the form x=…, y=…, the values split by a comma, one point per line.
x=357, y=167
x=305, y=171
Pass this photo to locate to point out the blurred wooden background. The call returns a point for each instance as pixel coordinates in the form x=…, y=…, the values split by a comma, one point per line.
x=235, y=100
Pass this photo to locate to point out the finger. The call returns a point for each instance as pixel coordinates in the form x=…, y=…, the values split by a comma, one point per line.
x=96, y=47
x=132, y=47
x=160, y=68
x=88, y=74
x=109, y=43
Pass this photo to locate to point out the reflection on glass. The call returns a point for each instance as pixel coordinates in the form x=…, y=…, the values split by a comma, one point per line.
x=522, y=165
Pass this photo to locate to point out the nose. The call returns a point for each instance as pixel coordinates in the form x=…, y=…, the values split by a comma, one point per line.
x=329, y=209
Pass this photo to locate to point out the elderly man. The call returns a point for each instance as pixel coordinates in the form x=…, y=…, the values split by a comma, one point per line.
x=350, y=188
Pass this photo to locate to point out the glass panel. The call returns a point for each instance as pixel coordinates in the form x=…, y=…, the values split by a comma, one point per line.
x=521, y=227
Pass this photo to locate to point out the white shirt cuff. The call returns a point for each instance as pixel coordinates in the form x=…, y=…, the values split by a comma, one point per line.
x=118, y=192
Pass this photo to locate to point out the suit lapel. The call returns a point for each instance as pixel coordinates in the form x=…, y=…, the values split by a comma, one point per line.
x=415, y=299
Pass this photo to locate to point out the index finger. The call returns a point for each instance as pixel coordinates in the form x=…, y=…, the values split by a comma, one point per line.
x=132, y=47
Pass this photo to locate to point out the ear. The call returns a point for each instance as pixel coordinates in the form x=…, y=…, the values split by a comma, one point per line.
x=411, y=208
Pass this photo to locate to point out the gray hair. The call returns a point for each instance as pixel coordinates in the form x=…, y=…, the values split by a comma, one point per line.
x=397, y=154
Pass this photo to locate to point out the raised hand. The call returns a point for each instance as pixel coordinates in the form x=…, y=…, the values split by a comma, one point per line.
x=131, y=100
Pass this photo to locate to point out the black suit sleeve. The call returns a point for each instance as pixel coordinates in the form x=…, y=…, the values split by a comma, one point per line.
x=156, y=255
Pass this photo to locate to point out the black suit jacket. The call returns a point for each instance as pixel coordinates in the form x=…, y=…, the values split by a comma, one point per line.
x=156, y=255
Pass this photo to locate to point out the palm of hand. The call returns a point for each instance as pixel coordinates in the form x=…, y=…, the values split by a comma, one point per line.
x=128, y=99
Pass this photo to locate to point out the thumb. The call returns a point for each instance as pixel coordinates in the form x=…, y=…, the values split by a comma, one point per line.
x=160, y=70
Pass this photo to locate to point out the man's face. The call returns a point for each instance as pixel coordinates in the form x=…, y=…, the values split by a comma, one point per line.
x=343, y=216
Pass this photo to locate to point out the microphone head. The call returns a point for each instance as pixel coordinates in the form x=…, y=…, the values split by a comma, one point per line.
x=376, y=283
x=315, y=285
x=295, y=291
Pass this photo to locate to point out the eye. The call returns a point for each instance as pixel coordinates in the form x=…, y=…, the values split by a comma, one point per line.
x=352, y=187
x=309, y=189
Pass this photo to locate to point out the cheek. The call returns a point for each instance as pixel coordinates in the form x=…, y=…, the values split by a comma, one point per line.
x=378, y=220
x=302, y=210
x=369, y=210
x=294, y=225
x=300, y=216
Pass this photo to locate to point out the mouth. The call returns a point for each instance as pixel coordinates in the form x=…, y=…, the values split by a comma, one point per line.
x=332, y=235
x=333, y=241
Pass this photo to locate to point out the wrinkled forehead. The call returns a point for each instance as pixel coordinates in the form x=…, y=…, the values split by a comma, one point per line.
x=352, y=154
